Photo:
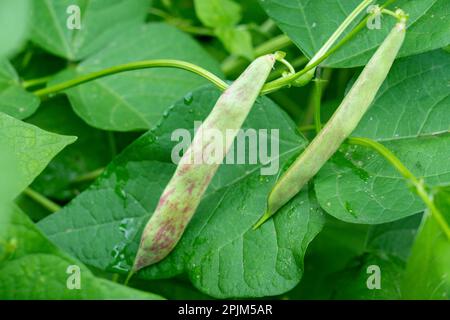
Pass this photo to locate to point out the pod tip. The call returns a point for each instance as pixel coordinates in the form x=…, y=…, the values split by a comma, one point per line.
x=262, y=220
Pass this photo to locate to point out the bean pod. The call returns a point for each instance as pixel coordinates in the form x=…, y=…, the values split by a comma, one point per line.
x=341, y=124
x=198, y=165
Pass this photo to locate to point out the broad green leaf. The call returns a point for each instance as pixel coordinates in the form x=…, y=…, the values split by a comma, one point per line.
x=428, y=270
x=54, y=24
x=330, y=252
x=137, y=100
x=357, y=280
x=31, y=267
x=220, y=252
x=32, y=148
x=14, y=99
x=91, y=151
x=387, y=247
x=14, y=25
x=218, y=13
x=409, y=116
x=237, y=41
x=309, y=28
x=394, y=238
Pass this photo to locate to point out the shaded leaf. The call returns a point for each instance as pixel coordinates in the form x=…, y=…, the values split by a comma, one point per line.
x=91, y=151
x=14, y=99
x=100, y=22
x=355, y=281
x=428, y=270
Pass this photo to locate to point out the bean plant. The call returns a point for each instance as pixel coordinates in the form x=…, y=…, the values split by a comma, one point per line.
x=122, y=128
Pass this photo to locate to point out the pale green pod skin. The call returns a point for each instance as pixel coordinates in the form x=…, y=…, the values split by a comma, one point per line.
x=340, y=126
x=183, y=193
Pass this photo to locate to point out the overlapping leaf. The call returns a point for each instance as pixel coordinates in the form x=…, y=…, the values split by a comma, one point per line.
x=428, y=270
x=14, y=99
x=220, y=252
x=92, y=150
x=31, y=267
x=55, y=30
x=137, y=99
x=306, y=23
x=410, y=116
x=31, y=147
x=383, y=263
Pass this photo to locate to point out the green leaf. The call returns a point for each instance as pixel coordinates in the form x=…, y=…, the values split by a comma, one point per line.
x=394, y=238
x=14, y=99
x=33, y=268
x=309, y=28
x=32, y=148
x=100, y=22
x=219, y=251
x=91, y=151
x=14, y=25
x=355, y=282
x=137, y=99
x=237, y=41
x=218, y=13
x=387, y=247
x=223, y=16
x=428, y=273
x=409, y=116
x=330, y=252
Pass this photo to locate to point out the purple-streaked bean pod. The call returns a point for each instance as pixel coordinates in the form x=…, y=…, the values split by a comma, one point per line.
x=341, y=124
x=200, y=162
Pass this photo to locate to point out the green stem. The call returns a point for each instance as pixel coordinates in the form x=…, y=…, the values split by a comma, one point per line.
x=408, y=175
x=35, y=82
x=233, y=63
x=129, y=67
x=301, y=61
x=340, y=30
x=196, y=31
x=317, y=104
x=43, y=201
x=112, y=143
x=115, y=278
x=89, y=176
x=308, y=127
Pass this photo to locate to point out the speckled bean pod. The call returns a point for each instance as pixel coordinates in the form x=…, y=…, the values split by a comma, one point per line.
x=182, y=195
x=341, y=124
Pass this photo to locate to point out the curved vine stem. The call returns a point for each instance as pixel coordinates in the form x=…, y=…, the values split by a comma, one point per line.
x=286, y=81
x=221, y=84
x=408, y=175
x=43, y=201
x=133, y=66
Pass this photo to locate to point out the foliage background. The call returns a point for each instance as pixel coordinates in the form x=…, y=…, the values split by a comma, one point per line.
x=105, y=183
